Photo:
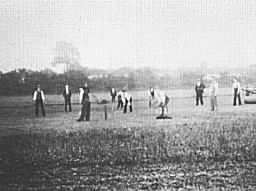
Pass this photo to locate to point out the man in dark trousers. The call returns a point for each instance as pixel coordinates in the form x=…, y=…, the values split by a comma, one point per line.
x=151, y=96
x=127, y=101
x=85, y=101
x=113, y=95
x=67, y=98
x=39, y=99
x=120, y=100
x=199, y=88
x=236, y=90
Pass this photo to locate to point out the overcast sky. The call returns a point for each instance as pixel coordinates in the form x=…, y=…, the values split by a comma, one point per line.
x=136, y=33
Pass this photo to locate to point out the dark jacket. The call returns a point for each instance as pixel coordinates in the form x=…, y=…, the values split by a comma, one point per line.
x=113, y=93
x=65, y=95
x=200, y=89
x=85, y=97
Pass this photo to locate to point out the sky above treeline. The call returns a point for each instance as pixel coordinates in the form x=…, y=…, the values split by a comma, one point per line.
x=129, y=33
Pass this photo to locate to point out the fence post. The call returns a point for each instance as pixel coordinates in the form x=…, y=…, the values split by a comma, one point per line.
x=105, y=112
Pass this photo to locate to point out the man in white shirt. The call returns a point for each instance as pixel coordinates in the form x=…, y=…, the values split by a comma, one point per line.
x=127, y=101
x=151, y=95
x=39, y=99
x=85, y=102
x=113, y=95
x=67, y=98
x=236, y=90
x=213, y=91
x=159, y=99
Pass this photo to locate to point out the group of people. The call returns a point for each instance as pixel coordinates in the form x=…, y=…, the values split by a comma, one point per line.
x=157, y=98
x=213, y=92
x=39, y=100
x=124, y=99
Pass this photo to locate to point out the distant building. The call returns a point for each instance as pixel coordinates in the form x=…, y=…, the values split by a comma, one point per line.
x=97, y=76
x=59, y=68
x=211, y=76
x=62, y=67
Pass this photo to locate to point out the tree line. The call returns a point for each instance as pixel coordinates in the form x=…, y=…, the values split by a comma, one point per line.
x=23, y=81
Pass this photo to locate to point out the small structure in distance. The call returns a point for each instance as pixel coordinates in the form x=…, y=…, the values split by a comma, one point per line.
x=67, y=57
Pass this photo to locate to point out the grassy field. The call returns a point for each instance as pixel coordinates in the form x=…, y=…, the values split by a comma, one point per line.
x=196, y=150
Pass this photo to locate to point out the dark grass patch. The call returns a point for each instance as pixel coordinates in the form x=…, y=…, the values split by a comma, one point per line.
x=217, y=154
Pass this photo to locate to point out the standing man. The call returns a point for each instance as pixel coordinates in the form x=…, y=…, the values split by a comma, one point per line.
x=120, y=100
x=151, y=96
x=127, y=101
x=159, y=99
x=213, y=91
x=113, y=95
x=199, y=88
x=39, y=99
x=85, y=101
x=67, y=98
x=236, y=91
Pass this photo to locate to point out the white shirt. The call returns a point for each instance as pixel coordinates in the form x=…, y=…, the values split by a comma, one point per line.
x=119, y=93
x=149, y=92
x=158, y=99
x=126, y=96
x=35, y=95
x=237, y=85
x=67, y=90
x=213, y=89
x=81, y=92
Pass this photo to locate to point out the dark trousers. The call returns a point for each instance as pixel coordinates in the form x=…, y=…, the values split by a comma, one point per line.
x=68, y=105
x=37, y=107
x=85, y=111
x=236, y=95
x=113, y=99
x=119, y=104
x=214, y=103
x=126, y=104
x=199, y=97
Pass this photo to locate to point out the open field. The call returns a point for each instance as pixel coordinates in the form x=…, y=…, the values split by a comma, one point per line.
x=196, y=150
